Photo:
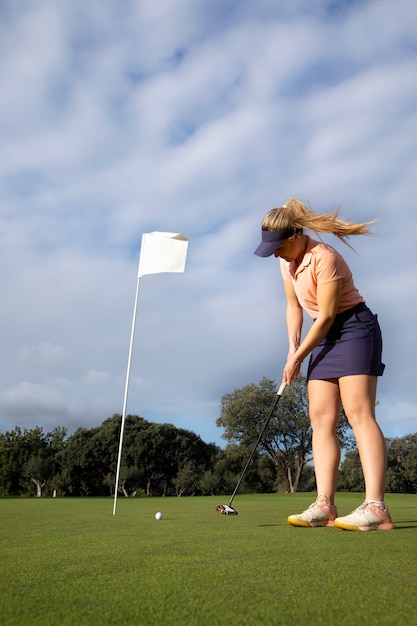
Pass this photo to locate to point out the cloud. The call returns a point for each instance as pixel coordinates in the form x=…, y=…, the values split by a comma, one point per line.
x=34, y=400
x=120, y=119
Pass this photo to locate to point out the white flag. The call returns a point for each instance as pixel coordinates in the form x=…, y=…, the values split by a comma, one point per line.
x=162, y=252
x=159, y=252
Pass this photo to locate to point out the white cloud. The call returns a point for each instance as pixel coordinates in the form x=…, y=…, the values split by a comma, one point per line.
x=196, y=118
x=33, y=400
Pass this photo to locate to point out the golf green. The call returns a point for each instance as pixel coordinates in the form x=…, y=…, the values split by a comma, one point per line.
x=70, y=561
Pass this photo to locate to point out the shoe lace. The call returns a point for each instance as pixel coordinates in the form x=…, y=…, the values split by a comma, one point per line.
x=320, y=500
x=361, y=510
x=313, y=506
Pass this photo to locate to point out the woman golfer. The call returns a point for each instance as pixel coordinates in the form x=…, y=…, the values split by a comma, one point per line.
x=344, y=343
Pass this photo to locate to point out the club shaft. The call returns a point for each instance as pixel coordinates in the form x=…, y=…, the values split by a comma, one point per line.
x=271, y=412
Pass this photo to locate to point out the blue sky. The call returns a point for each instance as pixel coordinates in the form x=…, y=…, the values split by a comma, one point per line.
x=124, y=117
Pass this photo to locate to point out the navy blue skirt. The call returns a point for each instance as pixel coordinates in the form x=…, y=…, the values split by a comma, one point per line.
x=353, y=345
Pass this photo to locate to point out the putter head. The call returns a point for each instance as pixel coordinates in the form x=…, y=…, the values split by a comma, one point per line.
x=225, y=509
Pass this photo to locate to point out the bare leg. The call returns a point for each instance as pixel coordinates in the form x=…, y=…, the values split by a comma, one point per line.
x=358, y=394
x=324, y=406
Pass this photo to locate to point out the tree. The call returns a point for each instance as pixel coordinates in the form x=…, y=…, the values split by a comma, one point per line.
x=226, y=467
x=29, y=456
x=223, y=473
x=77, y=461
x=170, y=458
x=350, y=475
x=288, y=438
x=38, y=470
x=401, y=467
x=402, y=464
x=156, y=458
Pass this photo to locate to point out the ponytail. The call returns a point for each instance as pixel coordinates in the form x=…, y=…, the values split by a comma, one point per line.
x=295, y=214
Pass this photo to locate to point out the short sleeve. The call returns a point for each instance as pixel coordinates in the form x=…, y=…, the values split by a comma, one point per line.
x=329, y=266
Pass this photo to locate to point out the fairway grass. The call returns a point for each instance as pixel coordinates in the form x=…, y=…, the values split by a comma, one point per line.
x=71, y=562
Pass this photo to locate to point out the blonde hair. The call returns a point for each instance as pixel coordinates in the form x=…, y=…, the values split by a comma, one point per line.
x=295, y=214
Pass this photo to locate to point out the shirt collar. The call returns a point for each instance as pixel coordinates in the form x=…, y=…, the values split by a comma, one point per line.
x=306, y=260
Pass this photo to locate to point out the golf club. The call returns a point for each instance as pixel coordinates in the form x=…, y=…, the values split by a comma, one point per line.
x=227, y=509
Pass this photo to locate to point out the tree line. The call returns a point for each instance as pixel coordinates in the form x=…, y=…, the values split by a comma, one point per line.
x=161, y=459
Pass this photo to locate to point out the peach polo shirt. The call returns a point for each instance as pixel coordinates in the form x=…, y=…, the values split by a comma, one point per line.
x=321, y=264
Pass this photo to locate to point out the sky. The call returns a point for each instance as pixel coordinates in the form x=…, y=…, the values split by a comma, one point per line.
x=124, y=117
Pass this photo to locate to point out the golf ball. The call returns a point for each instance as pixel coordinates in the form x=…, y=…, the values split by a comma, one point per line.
x=158, y=515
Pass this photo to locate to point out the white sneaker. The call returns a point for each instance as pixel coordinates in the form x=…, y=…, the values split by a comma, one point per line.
x=369, y=516
x=320, y=513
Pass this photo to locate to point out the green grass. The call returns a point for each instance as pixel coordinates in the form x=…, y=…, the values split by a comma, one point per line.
x=69, y=561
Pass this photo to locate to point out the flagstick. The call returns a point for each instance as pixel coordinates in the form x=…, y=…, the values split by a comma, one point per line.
x=159, y=252
x=132, y=336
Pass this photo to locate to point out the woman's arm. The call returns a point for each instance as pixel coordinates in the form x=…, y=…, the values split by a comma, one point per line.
x=294, y=318
x=328, y=296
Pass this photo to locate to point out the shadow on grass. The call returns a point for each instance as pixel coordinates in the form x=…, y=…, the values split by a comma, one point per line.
x=401, y=525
